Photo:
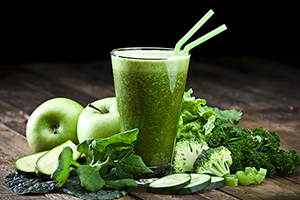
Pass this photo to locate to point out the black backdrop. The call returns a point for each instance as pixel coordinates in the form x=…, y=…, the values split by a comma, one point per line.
x=79, y=33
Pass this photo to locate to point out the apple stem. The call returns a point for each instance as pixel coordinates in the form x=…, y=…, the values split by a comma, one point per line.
x=54, y=129
x=92, y=106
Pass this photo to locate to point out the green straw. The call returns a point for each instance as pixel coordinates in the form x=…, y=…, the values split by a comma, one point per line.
x=209, y=35
x=192, y=31
x=200, y=40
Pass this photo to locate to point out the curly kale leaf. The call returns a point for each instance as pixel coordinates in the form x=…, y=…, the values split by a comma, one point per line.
x=286, y=162
x=260, y=149
x=247, y=151
x=72, y=186
x=29, y=184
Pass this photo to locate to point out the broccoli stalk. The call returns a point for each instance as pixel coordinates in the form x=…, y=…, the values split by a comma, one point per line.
x=214, y=161
x=186, y=152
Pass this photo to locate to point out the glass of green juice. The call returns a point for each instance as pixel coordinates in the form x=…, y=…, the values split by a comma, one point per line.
x=149, y=85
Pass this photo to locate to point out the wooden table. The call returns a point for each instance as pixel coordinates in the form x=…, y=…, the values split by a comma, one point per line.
x=266, y=90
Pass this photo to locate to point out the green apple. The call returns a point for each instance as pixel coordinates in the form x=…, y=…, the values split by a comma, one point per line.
x=53, y=123
x=98, y=120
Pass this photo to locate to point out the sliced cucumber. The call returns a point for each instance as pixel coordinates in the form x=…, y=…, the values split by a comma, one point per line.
x=169, y=183
x=216, y=182
x=26, y=163
x=198, y=182
x=47, y=163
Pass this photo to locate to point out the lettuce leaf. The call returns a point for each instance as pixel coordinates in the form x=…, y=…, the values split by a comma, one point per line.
x=196, y=120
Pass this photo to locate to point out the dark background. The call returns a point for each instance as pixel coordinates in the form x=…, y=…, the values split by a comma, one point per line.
x=88, y=32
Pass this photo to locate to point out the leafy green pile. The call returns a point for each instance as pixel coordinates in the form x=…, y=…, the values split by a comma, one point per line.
x=258, y=148
x=110, y=163
x=196, y=120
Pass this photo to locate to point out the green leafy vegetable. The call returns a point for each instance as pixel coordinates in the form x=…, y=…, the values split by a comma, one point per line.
x=231, y=116
x=90, y=177
x=65, y=160
x=223, y=134
x=91, y=154
x=112, y=181
x=29, y=184
x=258, y=148
x=72, y=186
x=133, y=164
x=196, y=120
x=286, y=162
x=125, y=137
x=115, y=151
x=119, y=184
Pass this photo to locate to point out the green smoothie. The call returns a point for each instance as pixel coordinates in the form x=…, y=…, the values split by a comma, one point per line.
x=149, y=86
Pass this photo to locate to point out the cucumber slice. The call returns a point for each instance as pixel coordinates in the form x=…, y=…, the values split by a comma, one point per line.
x=216, y=182
x=25, y=164
x=169, y=183
x=47, y=163
x=198, y=182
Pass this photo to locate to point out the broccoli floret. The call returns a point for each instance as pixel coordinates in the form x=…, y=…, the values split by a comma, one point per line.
x=214, y=161
x=186, y=152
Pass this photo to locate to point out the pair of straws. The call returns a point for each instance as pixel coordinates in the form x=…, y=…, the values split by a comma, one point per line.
x=201, y=39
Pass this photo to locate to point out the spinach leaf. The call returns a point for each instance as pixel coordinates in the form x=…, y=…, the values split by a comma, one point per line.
x=62, y=171
x=90, y=178
x=124, y=137
x=92, y=155
x=115, y=153
x=119, y=184
x=133, y=164
x=112, y=181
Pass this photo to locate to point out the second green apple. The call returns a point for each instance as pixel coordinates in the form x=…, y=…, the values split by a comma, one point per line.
x=98, y=120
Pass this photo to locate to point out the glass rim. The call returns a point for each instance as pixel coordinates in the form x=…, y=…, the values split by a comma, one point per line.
x=113, y=53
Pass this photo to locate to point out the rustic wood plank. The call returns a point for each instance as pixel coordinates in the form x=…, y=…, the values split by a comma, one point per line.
x=20, y=96
x=92, y=79
x=272, y=188
x=245, y=82
x=285, y=121
x=12, y=146
x=32, y=83
x=141, y=193
x=13, y=117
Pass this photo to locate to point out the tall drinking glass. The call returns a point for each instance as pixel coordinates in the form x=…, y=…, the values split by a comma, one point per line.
x=149, y=85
